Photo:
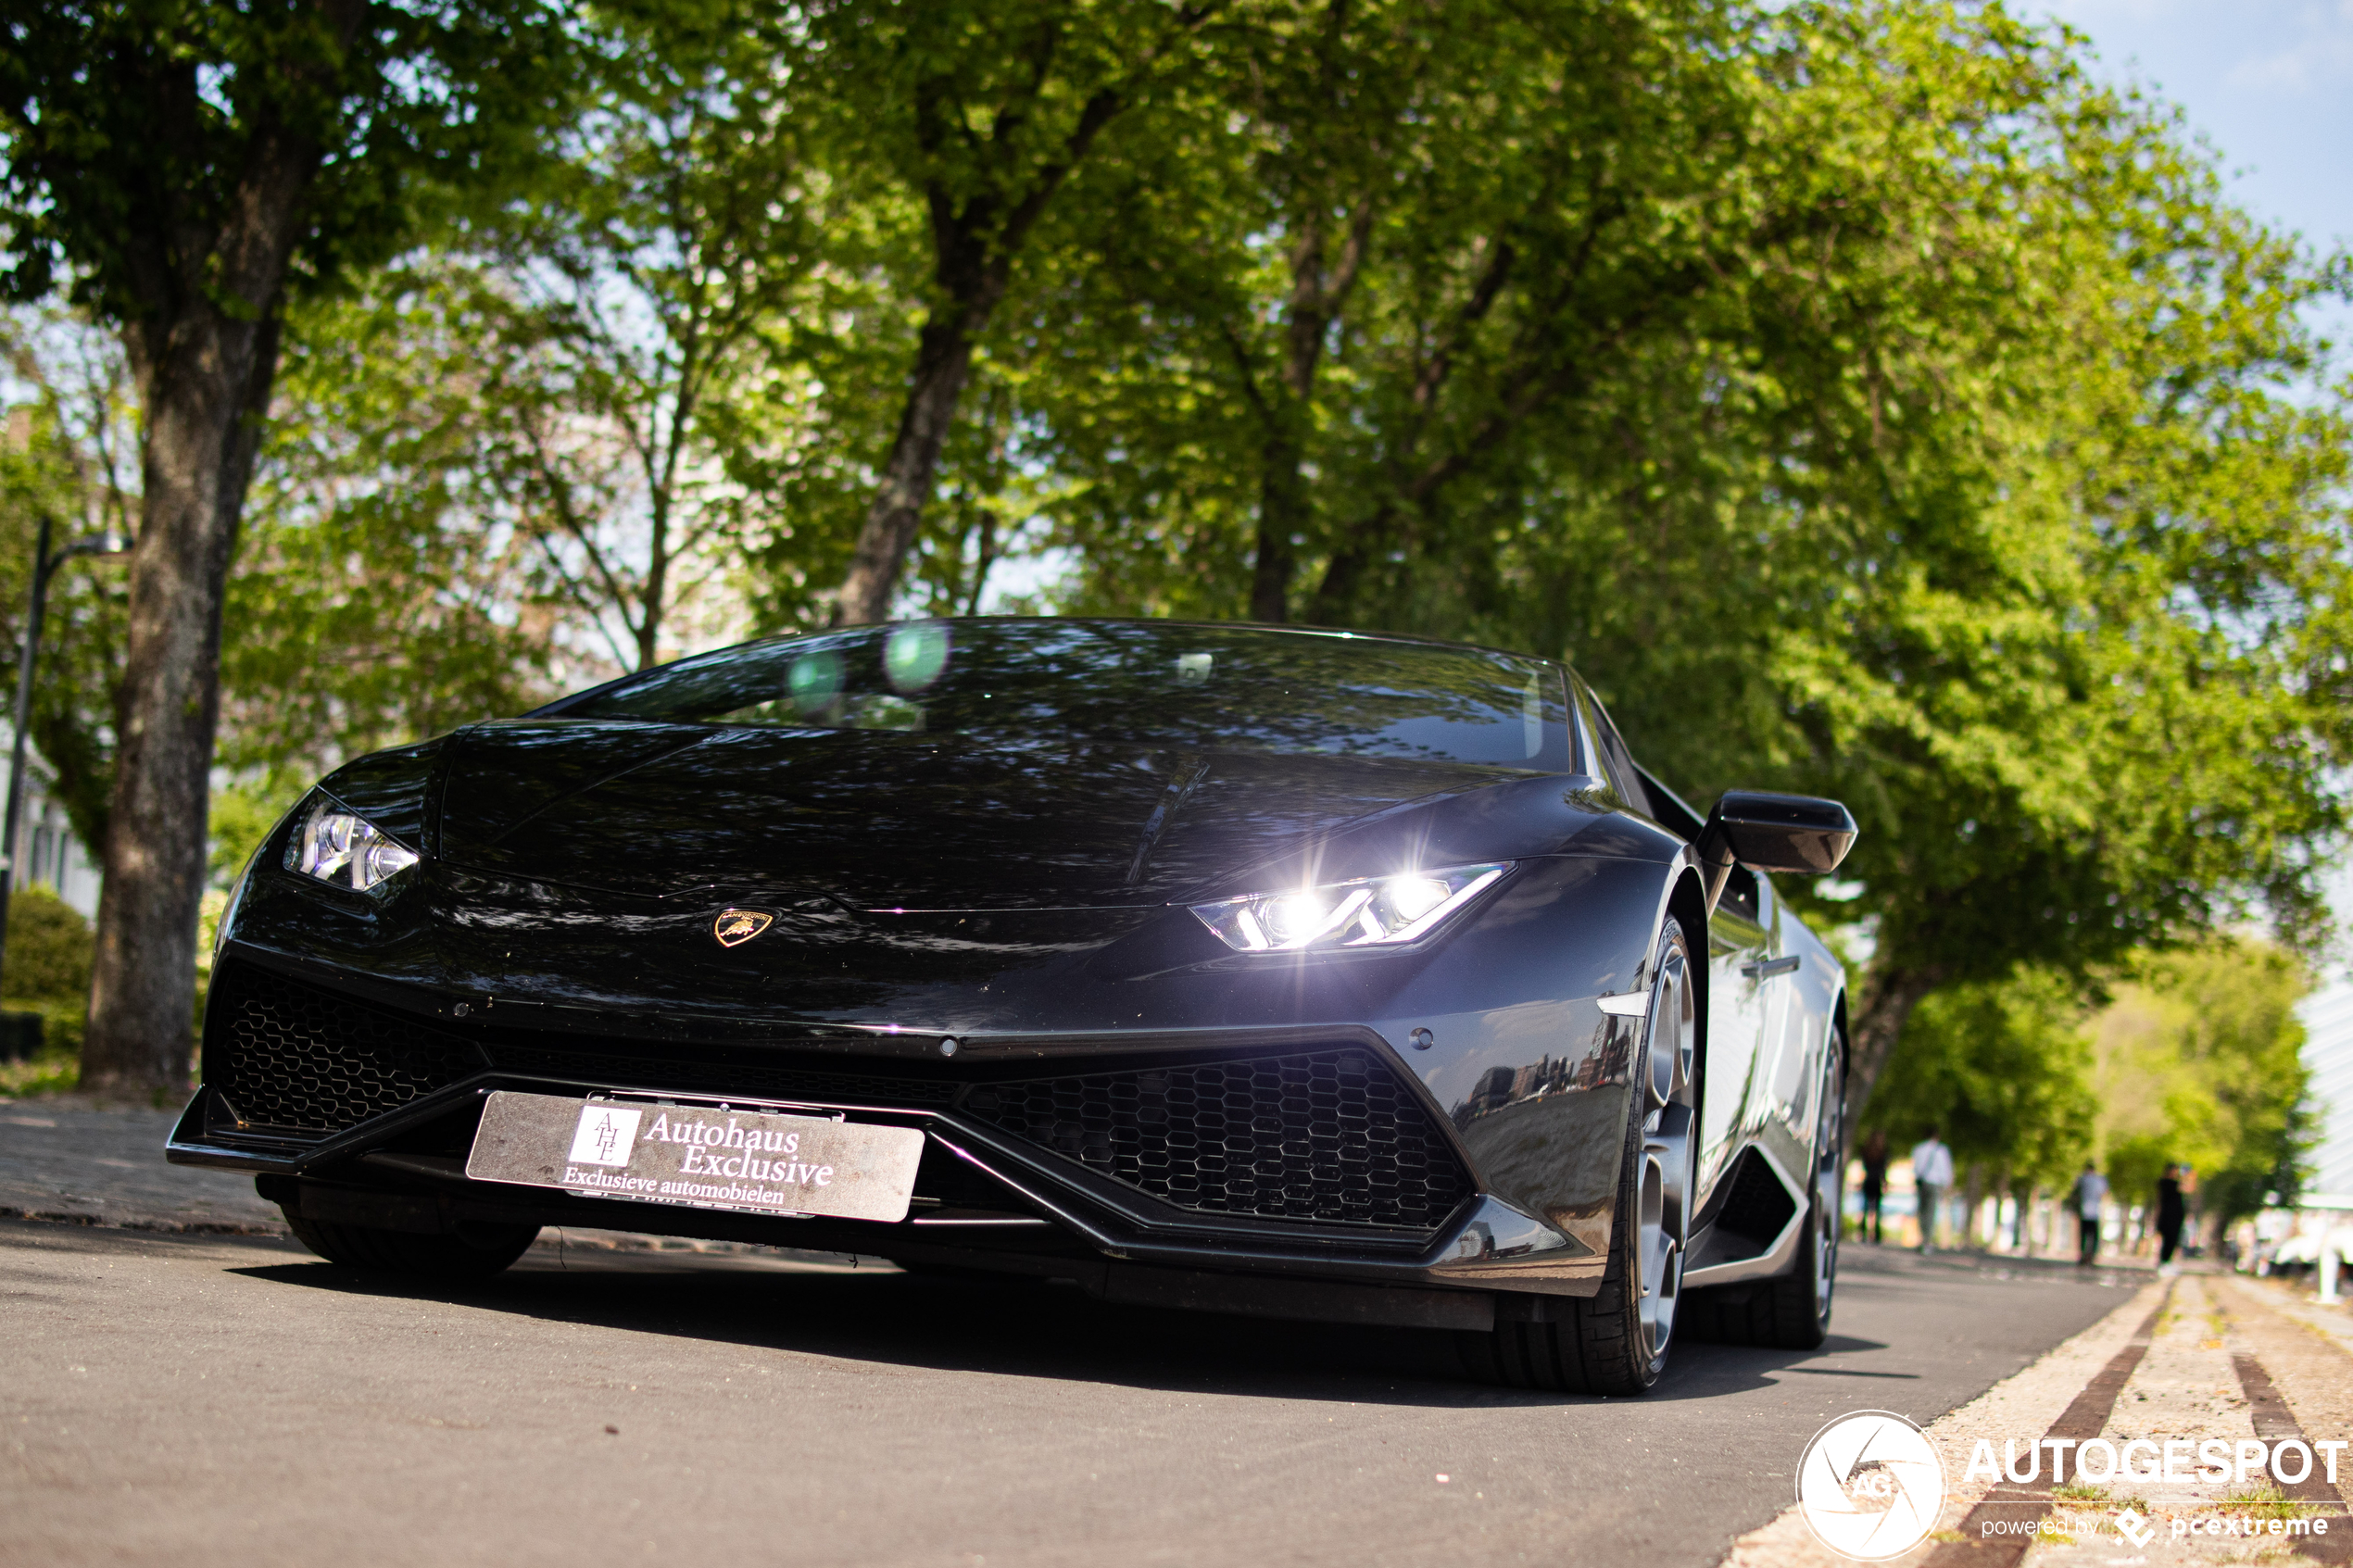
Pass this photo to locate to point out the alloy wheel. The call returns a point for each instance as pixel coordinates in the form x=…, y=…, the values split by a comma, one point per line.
x=1829, y=1177
x=1670, y=1134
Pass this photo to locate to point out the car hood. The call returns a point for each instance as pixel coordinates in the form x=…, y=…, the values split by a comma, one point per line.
x=886, y=820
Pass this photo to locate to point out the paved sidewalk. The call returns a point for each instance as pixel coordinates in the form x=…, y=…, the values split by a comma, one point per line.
x=2211, y=1349
x=66, y=1159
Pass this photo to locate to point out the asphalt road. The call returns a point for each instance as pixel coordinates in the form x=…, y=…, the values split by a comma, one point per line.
x=200, y=1400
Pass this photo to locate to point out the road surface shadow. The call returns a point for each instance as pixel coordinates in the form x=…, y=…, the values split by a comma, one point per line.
x=789, y=1304
x=1034, y=1330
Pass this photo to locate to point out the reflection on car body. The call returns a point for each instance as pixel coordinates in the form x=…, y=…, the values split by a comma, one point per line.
x=1260, y=970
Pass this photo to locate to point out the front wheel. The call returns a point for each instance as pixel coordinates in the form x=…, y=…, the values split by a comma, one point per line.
x=1615, y=1341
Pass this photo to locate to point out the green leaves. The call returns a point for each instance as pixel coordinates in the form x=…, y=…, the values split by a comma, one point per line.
x=1866, y=400
x=132, y=128
x=2192, y=1060
x=2006, y=1071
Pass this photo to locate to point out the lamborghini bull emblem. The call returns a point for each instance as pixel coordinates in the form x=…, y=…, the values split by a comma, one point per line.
x=736, y=927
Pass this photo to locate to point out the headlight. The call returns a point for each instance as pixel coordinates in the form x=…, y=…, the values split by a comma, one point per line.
x=349, y=851
x=1368, y=913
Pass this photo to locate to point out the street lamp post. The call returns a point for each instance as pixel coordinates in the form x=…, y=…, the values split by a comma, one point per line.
x=44, y=566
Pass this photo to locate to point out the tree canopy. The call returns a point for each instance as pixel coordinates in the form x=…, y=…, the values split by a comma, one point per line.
x=1864, y=396
x=180, y=171
x=2191, y=1060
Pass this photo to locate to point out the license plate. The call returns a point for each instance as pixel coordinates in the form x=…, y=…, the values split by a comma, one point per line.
x=696, y=1156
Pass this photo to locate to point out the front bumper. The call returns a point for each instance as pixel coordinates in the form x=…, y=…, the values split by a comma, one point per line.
x=1033, y=1164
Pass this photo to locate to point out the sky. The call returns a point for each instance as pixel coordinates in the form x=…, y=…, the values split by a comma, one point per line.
x=2269, y=83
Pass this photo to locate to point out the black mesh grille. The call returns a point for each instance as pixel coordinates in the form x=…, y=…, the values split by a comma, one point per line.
x=290, y=1055
x=722, y=1077
x=1327, y=1136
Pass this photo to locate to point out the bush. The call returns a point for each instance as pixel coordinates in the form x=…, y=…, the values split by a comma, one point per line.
x=46, y=970
x=63, y=1019
x=57, y=1070
x=50, y=949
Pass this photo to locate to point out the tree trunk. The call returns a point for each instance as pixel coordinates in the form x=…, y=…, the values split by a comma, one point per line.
x=206, y=356
x=1888, y=997
x=943, y=360
x=975, y=241
x=1319, y=288
x=656, y=596
x=1283, y=512
x=208, y=394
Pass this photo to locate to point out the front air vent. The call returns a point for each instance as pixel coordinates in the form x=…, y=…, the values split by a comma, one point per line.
x=1325, y=1136
x=1757, y=1208
x=292, y=1056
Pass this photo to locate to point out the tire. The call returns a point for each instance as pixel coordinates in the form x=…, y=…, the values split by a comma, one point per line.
x=1792, y=1311
x=475, y=1251
x=1616, y=1340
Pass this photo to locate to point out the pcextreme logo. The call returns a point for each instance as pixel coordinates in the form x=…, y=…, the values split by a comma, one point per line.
x=1870, y=1485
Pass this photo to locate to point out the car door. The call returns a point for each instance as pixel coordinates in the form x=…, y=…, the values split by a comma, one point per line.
x=1738, y=1091
x=1738, y=1081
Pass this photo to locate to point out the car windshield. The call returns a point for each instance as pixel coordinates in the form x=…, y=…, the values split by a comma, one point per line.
x=1165, y=685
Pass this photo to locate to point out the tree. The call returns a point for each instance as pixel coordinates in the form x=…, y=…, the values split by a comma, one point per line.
x=2089, y=707
x=2192, y=1058
x=2199, y=1063
x=180, y=170
x=1384, y=250
x=512, y=459
x=373, y=602
x=503, y=463
x=1879, y=407
x=67, y=458
x=637, y=310
x=2005, y=1071
x=983, y=112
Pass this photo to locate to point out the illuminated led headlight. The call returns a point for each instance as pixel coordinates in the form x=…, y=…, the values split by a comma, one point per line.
x=1368, y=913
x=348, y=852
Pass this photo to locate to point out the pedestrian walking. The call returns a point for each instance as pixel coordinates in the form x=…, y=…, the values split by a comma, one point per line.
x=1874, y=1183
x=1931, y=1179
x=2085, y=1197
x=2171, y=1212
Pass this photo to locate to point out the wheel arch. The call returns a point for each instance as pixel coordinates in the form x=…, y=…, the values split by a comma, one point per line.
x=1687, y=902
x=1838, y=1052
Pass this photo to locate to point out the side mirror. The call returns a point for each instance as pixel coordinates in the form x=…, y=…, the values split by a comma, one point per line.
x=1799, y=833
